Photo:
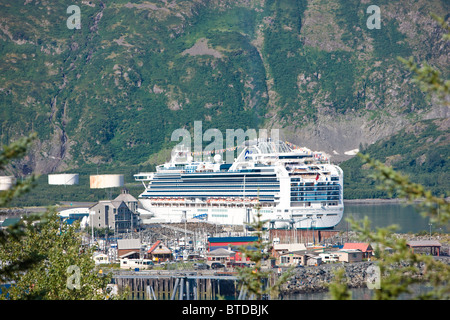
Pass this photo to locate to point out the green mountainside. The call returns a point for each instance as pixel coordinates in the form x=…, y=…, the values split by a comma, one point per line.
x=110, y=94
x=420, y=151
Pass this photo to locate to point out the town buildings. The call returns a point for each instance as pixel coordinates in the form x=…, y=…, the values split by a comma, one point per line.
x=120, y=214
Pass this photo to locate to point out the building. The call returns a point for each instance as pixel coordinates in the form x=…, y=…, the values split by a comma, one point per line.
x=434, y=246
x=290, y=258
x=365, y=248
x=233, y=244
x=130, y=201
x=350, y=255
x=159, y=252
x=279, y=249
x=129, y=248
x=221, y=255
x=287, y=254
x=312, y=260
x=120, y=214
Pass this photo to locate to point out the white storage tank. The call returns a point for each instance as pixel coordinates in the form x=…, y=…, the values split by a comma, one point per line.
x=63, y=179
x=106, y=181
x=6, y=182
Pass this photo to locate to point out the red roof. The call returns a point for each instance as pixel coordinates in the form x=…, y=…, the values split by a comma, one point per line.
x=364, y=247
x=154, y=246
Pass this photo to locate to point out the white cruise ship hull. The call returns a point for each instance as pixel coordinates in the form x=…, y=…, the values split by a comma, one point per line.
x=292, y=189
x=306, y=218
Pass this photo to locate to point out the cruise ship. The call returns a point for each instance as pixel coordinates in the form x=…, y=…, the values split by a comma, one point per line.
x=291, y=187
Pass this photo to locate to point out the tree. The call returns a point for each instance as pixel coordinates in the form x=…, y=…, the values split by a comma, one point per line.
x=8, y=153
x=256, y=282
x=41, y=256
x=397, y=271
x=66, y=270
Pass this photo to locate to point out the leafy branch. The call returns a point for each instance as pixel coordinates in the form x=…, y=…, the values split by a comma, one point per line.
x=254, y=280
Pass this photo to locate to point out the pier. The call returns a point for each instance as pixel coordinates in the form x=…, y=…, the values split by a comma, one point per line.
x=163, y=285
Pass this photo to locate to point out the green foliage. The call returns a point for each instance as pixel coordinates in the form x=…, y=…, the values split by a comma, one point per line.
x=438, y=208
x=118, y=87
x=10, y=152
x=338, y=289
x=39, y=253
x=401, y=268
x=58, y=245
x=254, y=281
x=419, y=151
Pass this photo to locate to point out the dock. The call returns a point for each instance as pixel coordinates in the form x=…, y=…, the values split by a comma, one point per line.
x=169, y=285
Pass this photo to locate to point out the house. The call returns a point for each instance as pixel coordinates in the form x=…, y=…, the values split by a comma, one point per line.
x=290, y=258
x=120, y=214
x=350, y=255
x=159, y=252
x=129, y=248
x=365, y=248
x=221, y=255
x=287, y=254
x=312, y=260
x=279, y=249
x=130, y=201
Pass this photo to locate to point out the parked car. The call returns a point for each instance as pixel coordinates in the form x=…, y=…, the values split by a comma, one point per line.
x=201, y=266
x=217, y=265
x=239, y=265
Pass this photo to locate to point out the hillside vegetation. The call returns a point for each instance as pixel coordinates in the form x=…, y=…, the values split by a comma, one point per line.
x=109, y=95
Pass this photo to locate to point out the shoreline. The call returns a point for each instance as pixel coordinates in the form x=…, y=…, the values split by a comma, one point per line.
x=315, y=279
x=378, y=201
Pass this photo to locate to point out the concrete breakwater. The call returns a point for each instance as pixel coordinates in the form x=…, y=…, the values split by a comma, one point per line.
x=316, y=278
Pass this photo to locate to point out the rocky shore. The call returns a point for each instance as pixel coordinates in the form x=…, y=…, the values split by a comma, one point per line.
x=316, y=278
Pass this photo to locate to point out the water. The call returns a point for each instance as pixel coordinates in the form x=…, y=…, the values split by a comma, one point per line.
x=406, y=217
x=360, y=294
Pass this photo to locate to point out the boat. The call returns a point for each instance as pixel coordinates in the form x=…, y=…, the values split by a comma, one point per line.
x=291, y=187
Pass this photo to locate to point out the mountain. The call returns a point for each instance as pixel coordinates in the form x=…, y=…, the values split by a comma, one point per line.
x=419, y=150
x=112, y=92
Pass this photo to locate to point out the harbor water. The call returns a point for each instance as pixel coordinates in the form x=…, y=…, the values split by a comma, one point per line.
x=359, y=294
x=407, y=218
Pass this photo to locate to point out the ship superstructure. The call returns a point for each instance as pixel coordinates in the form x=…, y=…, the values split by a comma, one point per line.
x=292, y=187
